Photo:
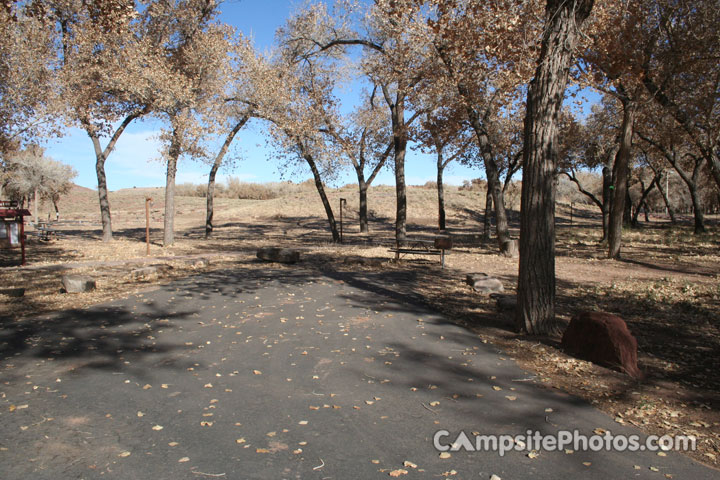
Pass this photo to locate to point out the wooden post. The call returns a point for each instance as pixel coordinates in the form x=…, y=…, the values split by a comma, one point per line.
x=147, y=223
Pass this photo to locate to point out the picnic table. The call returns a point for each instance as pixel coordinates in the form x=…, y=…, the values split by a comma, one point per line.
x=46, y=232
x=421, y=246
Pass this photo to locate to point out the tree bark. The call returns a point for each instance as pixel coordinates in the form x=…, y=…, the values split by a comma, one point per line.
x=536, y=277
x=362, y=199
x=620, y=178
x=105, y=217
x=213, y=172
x=492, y=173
x=440, y=191
x=321, y=191
x=101, y=156
x=627, y=213
x=643, y=197
x=173, y=155
x=399, y=134
x=606, y=202
x=666, y=200
x=698, y=215
x=487, y=217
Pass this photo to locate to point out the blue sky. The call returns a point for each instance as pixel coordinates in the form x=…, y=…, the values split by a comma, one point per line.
x=135, y=160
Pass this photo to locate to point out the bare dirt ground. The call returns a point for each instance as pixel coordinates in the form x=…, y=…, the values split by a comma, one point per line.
x=666, y=287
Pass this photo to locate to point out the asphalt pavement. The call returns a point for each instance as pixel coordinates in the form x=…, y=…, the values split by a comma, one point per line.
x=285, y=372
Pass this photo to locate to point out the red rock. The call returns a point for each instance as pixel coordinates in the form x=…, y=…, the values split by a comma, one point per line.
x=604, y=339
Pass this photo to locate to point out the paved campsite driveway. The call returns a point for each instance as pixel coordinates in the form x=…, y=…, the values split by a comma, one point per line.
x=289, y=373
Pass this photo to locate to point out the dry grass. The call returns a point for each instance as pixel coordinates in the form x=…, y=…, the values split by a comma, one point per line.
x=666, y=287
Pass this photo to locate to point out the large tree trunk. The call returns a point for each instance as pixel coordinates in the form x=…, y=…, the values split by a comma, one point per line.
x=666, y=200
x=362, y=199
x=487, y=217
x=627, y=212
x=400, y=191
x=620, y=177
x=492, y=172
x=606, y=202
x=102, y=189
x=440, y=192
x=173, y=155
x=397, y=115
x=698, y=208
x=210, y=208
x=321, y=191
x=536, y=277
x=641, y=203
x=213, y=172
x=100, y=158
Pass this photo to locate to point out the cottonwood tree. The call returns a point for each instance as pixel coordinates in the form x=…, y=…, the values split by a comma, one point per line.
x=484, y=51
x=192, y=51
x=564, y=20
x=104, y=70
x=29, y=174
x=611, y=62
x=230, y=114
x=392, y=37
x=660, y=136
x=28, y=108
x=443, y=132
x=364, y=139
x=590, y=145
x=295, y=96
x=238, y=120
x=682, y=72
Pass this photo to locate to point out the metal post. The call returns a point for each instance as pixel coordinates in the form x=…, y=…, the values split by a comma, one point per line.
x=147, y=223
x=342, y=202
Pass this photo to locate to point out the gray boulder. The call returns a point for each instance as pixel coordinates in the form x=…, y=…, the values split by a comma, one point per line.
x=482, y=283
x=277, y=254
x=143, y=272
x=78, y=283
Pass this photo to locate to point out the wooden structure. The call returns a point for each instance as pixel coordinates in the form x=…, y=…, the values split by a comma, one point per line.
x=12, y=226
x=438, y=246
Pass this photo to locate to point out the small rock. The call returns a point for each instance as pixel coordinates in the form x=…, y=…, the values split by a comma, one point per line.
x=143, y=272
x=482, y=283
x=276, y=254
x=78, y=283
